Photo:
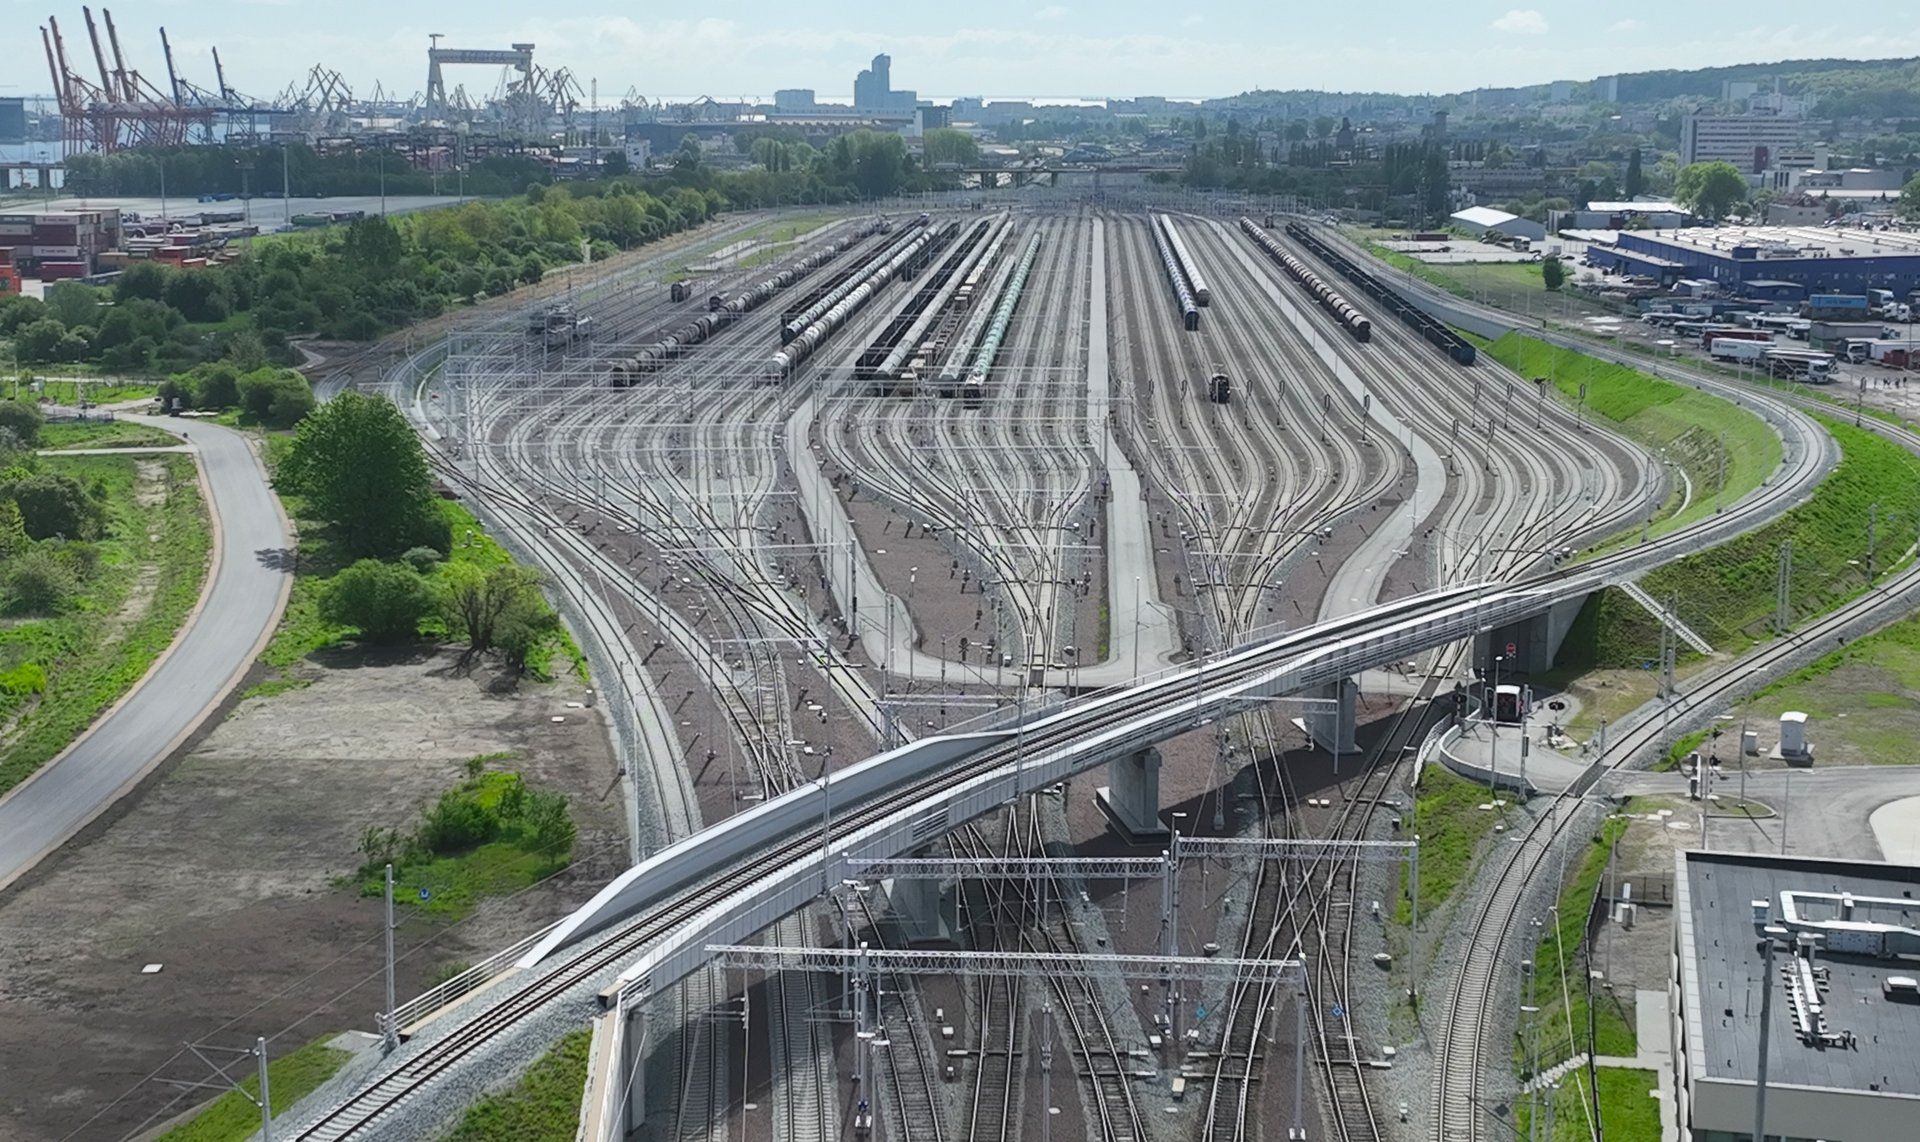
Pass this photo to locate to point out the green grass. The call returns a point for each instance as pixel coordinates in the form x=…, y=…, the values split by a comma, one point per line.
x=107, y=390
x=103, y=434
x=499, y=852
x=1720, y=446
x=272, y=686
x=1628, y=1109
x=1451, y=826
x=1559, y=1030
x=234, y=1117
x=472, y=544
x=1727, y=593
x=1865, y=698
x=544, y=1106
x=90, y=660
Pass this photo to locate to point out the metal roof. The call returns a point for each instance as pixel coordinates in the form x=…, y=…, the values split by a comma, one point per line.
x=1484, y=216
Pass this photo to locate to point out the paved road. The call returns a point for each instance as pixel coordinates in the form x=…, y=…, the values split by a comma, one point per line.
x=252, y=574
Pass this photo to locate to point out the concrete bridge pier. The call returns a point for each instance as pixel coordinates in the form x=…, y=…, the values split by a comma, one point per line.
x=917, y=915
x=1132, y=801
x=1330, y=725
x=1535, y=641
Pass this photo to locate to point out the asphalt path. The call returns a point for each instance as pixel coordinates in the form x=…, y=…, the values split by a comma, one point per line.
x=251, y=575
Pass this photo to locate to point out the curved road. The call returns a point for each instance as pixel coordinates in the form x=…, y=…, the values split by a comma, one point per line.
x=252, y=573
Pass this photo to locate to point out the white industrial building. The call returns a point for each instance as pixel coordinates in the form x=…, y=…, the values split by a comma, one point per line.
x=1484, y=219
x=1837, y=1016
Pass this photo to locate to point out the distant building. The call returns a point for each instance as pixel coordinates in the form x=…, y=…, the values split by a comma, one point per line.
x=1485, y=219
x=1823, y=259
x=927, y=117
x=1749, y=142
x=13, y=120
x=1841, y=1007
x=1620, y=216
x=873, y=91
x=795, y=100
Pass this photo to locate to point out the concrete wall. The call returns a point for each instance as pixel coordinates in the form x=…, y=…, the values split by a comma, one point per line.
x=1806, y=1112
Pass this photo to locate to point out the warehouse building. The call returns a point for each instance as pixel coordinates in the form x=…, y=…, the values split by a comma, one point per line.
x=1841, y=1009
x=1478, y=220
x=1819, y=259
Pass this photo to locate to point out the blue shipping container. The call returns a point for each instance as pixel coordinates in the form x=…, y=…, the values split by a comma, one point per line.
x=1838, y=301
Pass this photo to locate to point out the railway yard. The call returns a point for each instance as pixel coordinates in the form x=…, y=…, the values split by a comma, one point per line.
x=1035, y=473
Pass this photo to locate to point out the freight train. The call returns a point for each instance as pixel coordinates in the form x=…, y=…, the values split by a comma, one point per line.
x=1436, y=333
x=1176, y=276
x=1357, y=324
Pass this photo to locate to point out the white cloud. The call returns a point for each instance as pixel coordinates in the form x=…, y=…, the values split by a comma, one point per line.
x=1627, y=25
x=1522, y=22
x=1052, y=12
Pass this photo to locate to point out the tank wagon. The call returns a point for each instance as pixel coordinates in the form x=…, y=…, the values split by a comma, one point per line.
x=1202, y=296
x=873, y=278
x=1177, y=277
x=974, y=390
x=885, y=359
x=722, y=312
x=1436, y=333
x=1357, y=324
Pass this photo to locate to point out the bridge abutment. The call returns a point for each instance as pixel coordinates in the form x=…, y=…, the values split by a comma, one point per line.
x=917, y=916
x=1132, y=800
x=1536, y=641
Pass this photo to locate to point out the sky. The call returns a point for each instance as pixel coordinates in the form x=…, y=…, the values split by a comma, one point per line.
x=1069, y=49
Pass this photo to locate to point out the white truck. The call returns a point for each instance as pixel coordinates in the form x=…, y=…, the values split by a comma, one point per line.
x=1739, y=351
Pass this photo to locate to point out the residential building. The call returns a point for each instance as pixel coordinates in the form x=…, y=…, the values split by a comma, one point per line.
x=1749, y=142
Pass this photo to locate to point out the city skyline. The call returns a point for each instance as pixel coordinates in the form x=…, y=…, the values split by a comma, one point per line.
x=1062, y=51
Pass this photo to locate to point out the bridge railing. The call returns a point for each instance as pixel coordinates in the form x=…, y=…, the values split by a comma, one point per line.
x=459, y=986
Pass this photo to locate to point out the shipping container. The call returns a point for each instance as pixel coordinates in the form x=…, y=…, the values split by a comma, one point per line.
x=62, y=271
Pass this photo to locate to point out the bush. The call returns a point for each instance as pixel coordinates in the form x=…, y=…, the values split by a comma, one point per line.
x=384, y=601
x=52, y=504
x=458, y=821
x=37, y=583
x=277, y=398
x=421, y=559
x=23, y=420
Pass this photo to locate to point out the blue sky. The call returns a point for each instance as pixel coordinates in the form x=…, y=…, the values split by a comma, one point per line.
x=1067, y=48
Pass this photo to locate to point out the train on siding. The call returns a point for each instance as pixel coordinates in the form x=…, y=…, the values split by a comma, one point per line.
x=1357, y=324
x=1176, y=277
x=1436, y=333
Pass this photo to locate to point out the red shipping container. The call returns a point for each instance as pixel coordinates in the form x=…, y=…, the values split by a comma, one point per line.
x=62, y=271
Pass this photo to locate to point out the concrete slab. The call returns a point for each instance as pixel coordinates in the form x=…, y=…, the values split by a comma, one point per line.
x=1896, y=826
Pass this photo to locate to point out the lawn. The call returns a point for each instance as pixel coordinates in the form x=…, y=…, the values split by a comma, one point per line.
x=1865, y=698
x=103, y=434
x=106, y=390
x=1628, y=1109
x=150, y=567
x=544, y=1106
x=1451, y=825
x=1725, y=451
x=1559, y=1030
x=234, y=1117
x=1728, y=593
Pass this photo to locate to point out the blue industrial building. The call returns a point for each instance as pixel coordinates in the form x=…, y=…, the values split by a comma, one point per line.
x=1762, y=260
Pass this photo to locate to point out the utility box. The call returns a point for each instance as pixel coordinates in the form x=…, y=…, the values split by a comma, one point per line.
x=1793, y=737
x=1749, y=743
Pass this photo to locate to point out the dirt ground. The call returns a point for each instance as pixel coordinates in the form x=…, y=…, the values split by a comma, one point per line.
x=224, y=870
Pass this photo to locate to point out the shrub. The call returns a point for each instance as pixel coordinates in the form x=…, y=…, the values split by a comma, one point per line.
x=278, y=398
x=52, y=504
x=385, y=601
x=22, y=419
x=26, y=678
x=37, y=583
x=421, y=559
x=458, y=821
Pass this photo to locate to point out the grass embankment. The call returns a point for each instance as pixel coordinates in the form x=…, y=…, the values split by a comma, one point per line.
x=1559, y=1030
x=1727, y=593
x=1628, y=1108
x=1865, y=697
x=303, y=631
x=544, y=1106
x=104, y=434
x=1723, y=450
x=491, y=835
x=1449, y=820
x=234, y=1117
x=59, y=673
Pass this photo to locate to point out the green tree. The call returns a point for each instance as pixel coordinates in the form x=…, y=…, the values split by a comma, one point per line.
x=946, y=145
x=486, y=605
x=360, y=468
x=23, y=420
x=36, y=582
x=614, y=164
x=1910, y=198
x=140, y=280
x=278, y=398
x=40, y=342
x=384, y=601
x=1636, y=177
x=73, y=304
x=54, y=504
x=1711, y=190
x=17, y=311
x=1553, y=273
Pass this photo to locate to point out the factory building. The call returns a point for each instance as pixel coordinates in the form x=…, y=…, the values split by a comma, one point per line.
x=1478, y=220
x=1619, y=216
x=1812, y=961
x=1750, y=142
x=1820, y=259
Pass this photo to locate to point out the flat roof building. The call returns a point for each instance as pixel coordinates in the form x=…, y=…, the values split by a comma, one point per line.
x=1481, y=219
x=1749, y=142
x=1824, y=259
x=1840, y=1037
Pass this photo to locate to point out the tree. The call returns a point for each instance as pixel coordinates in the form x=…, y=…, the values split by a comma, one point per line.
x=23, y=420
x=1636, y=178
x=1552, y=272
x=140, y=280
x=40, y=342
x=686, y=157
x=384, y=601
x=36, y=583
x=198, y=295
x=946, y=145
x=1711, y=190
x=277, y=398
x=73, y=304
x=615, y=164
x=483, y=605
x=1910, y=198
x=360, y=468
